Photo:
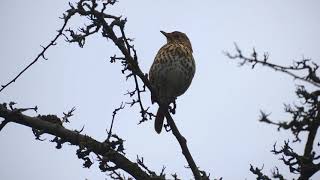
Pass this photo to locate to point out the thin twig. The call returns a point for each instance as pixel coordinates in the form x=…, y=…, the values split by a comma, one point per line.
x=3, y=123
x=311, y=78
x=41, y=54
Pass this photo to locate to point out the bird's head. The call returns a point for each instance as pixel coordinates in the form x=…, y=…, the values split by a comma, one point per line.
x=177, y=37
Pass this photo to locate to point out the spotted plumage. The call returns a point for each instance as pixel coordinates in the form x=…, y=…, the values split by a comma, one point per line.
x=172, y=71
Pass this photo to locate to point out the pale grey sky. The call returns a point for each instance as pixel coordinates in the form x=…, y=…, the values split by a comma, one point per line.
x=218, y=114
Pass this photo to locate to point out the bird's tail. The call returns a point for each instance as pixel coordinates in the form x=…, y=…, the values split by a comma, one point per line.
x=158, y=123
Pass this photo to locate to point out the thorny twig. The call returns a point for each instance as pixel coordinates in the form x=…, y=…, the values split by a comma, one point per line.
x=129, y=62
x=141, y=163
x=114, y=113
x=305, y=117
x=51, y=124
x=258, y=173
x=66, y=18
x=109, y=26
x=68, y=115
x=302, y=65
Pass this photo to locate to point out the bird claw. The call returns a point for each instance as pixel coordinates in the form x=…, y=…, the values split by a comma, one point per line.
x=173, y=109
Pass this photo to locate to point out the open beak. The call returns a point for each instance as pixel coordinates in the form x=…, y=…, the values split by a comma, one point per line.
x=164, y=33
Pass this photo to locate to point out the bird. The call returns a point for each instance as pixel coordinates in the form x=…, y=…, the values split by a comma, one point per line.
x=171, y=73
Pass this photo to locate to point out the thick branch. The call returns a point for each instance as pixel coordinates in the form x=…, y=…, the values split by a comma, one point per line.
x=312, y=134
x=308, y=168
x=99, y=19
x=76, y=138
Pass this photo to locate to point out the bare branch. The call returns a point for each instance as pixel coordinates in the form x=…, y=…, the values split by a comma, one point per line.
x=113, y=116
x=303, y=65
x=260, y=175
x=108, y=25
x=66, y=18
x=304, y=117
x=129, y=63
x=86, y=143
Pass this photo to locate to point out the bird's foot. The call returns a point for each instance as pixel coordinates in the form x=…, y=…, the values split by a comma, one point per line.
x=173, y=108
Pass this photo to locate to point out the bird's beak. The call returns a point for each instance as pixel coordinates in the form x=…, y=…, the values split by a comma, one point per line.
x=164, y=33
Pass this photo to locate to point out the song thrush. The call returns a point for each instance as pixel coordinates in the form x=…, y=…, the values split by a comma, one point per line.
x=171, y=72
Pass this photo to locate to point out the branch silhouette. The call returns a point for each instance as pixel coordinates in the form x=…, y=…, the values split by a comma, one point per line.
x=305, y=118
x=51, y=124
x=109, y=26
x=298, y=66
x=45, y=48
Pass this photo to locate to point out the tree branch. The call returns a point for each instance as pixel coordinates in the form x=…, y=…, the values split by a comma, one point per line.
x=305, y=117
x=89, y=9
x=130, y=63
x=75, y=138
x=41, y=54
x=183, y=144
x=253, y=60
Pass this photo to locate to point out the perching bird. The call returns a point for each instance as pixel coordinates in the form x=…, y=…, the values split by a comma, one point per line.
x=172, y=71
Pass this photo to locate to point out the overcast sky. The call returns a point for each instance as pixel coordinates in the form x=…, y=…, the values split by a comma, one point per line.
x=218, y=114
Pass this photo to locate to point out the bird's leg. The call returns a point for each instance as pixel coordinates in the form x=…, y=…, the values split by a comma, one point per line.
x=167, y=127
x=153, y=99
x=173, y=109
